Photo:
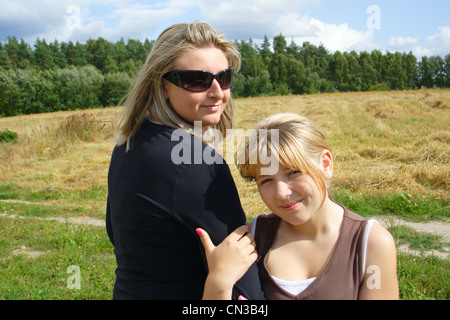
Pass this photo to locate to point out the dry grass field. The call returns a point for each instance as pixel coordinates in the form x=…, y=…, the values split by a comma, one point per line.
x=384, y=143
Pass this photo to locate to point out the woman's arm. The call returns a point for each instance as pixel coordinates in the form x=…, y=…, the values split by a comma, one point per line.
x=380, y=280
x=227, y=262
x=206, y=197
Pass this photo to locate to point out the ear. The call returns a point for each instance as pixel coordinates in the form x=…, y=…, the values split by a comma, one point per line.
x=326, y=160
x=166, y=95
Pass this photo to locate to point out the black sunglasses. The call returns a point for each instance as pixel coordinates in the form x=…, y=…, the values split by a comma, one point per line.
x=198, y=81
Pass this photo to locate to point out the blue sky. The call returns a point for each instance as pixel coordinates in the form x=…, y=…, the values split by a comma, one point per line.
x=422, y=27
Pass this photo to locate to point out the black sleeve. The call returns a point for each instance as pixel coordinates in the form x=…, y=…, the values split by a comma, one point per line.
x=206, y=197
x=109, y=230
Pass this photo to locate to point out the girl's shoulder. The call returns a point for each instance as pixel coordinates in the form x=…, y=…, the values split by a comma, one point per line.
x=262, y=220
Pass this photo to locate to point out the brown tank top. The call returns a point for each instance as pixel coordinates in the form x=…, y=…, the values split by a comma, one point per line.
x=341, y=279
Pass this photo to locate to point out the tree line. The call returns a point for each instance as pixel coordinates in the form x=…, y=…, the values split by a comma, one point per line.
x=65, y=76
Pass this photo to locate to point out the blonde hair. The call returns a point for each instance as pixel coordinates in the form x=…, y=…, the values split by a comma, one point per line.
x=299, y=146
x=146, y=98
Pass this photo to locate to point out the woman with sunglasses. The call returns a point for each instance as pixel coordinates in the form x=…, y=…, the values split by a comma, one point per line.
x=154, y=203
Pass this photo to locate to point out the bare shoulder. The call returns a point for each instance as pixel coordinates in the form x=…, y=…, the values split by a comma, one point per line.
x=379, y=236
x=380, y=243
x=381, y=264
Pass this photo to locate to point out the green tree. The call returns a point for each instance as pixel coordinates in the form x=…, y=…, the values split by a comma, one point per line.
x=75, y=53
x=115, y=86
x=265, y=52
x=12, y=51
x=137, y=51
x=368, y=73
x=79, y=87
x=352, y=75
x=437, y=70
x=447, y=70
x=410, y=63
x=296, y=75
x=5, y=62
x=110, y=65
x=250, y=64
x=425, y=76
x=97, y=51
x=279, y=44
x=43, y=57
x=59, y=56
x=339, y=71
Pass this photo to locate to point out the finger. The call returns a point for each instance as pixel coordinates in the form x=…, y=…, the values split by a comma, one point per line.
x=247, y=239
x=250, y=249
x=206, y=240
x=238, y=233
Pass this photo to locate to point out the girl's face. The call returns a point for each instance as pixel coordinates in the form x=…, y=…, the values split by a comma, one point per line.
x=292, y=195
x=206, y=106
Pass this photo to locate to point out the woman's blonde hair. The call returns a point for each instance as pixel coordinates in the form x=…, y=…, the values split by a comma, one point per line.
x=299, y=146
x=146, y=98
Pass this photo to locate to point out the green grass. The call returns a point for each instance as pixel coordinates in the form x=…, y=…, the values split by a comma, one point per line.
x=412, y=207
x=417, y=240
x=423, y=277
x=75, y=202
x=62, y=245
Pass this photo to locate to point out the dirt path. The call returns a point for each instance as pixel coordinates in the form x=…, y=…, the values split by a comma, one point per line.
x=439, y=228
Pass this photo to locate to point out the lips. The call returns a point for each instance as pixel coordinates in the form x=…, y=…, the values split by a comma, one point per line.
x=292, y=205
x=212, y=108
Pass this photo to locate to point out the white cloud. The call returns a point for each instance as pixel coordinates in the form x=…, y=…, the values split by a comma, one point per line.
x=335, y=36
x=440, y=42
x=436, y=44
x=242, y=20
x=397, y=43
x=111, y=19
x=256, y=19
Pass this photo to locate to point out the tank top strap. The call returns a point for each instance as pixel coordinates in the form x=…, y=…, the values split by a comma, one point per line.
x=265, y=233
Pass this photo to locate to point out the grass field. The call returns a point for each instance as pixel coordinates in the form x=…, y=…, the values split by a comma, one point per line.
x=392, y=158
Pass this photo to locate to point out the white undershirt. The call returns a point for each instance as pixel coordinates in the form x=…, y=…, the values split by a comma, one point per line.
x=297, y=287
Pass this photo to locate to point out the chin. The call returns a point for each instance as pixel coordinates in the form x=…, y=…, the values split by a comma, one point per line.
x=210, y=121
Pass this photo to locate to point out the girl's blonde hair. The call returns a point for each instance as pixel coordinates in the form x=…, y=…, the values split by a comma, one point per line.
x=299, y=146
x=146, y=98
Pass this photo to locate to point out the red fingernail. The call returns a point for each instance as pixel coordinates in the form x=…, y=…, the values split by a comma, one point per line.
x=198, y=232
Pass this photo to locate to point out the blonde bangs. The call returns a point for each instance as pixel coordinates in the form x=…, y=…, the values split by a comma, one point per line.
x=298, y=147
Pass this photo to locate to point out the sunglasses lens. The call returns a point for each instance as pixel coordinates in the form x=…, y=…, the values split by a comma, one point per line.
x=196, y=80
x=225, y=78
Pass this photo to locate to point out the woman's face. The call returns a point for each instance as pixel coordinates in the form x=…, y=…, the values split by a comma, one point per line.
x=206, y=106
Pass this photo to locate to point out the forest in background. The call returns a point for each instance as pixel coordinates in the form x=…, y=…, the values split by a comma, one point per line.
x=56, y=76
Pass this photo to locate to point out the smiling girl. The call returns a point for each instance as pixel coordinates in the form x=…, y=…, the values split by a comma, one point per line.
x=310, y=247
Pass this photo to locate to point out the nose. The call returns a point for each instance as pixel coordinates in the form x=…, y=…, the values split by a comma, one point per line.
x=215, y=91
x=283, y=190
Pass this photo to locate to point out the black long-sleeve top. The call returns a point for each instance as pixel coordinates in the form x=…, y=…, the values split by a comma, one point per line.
x=155, y=203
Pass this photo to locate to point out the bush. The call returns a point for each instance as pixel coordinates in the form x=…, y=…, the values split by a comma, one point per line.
x=8, y=136
x=115, y=86
x=383, y=86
